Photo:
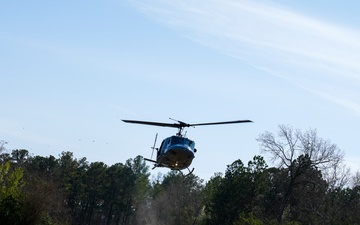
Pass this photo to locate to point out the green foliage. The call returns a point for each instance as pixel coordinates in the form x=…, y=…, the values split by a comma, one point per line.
x=177, y=200
x=10, y=210
x=236, y=193
x=247, y=220
x=20, y=156
x=11, y=183
x=64, y=190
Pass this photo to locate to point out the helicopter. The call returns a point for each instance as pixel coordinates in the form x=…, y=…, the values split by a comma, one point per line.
x=176, y=152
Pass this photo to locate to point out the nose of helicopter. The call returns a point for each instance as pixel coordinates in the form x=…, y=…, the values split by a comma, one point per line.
x=179, y=157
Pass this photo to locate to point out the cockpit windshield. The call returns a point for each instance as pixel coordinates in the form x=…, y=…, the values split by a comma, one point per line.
x=177, y=140
x=182, y=141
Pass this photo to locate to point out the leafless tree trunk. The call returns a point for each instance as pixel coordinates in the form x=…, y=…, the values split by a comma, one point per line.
x=356, y=179
x=2, y=148
x=296, y=151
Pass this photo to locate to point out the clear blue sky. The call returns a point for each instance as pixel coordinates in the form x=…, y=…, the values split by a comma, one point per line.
x=71, y=70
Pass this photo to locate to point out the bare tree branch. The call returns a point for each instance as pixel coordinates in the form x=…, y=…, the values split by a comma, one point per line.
x=300, y=152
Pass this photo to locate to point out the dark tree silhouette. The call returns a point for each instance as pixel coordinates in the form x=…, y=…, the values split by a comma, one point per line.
x=298, y=152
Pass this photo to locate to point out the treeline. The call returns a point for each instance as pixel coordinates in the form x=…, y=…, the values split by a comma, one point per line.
x=309, y=185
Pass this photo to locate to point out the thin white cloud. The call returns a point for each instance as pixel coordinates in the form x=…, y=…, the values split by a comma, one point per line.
x=316, y=55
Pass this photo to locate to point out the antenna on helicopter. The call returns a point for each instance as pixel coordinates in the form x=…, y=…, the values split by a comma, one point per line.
x=153, y=148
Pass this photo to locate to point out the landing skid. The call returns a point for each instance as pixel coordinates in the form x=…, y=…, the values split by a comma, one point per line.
x=157, y=165
x=150, y=160
x=190, y=172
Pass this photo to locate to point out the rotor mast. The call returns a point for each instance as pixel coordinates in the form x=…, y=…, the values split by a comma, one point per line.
x=180, y=127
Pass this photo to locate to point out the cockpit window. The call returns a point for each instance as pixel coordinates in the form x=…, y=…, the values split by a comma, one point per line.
x=176, y=140
x=179, y=140
x=191, y=143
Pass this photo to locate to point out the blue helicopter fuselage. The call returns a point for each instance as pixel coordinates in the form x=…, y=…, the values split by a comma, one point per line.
x=176, y=153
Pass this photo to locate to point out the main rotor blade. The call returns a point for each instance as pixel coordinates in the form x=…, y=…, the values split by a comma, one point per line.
x=175, y=125
x=218, y=123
